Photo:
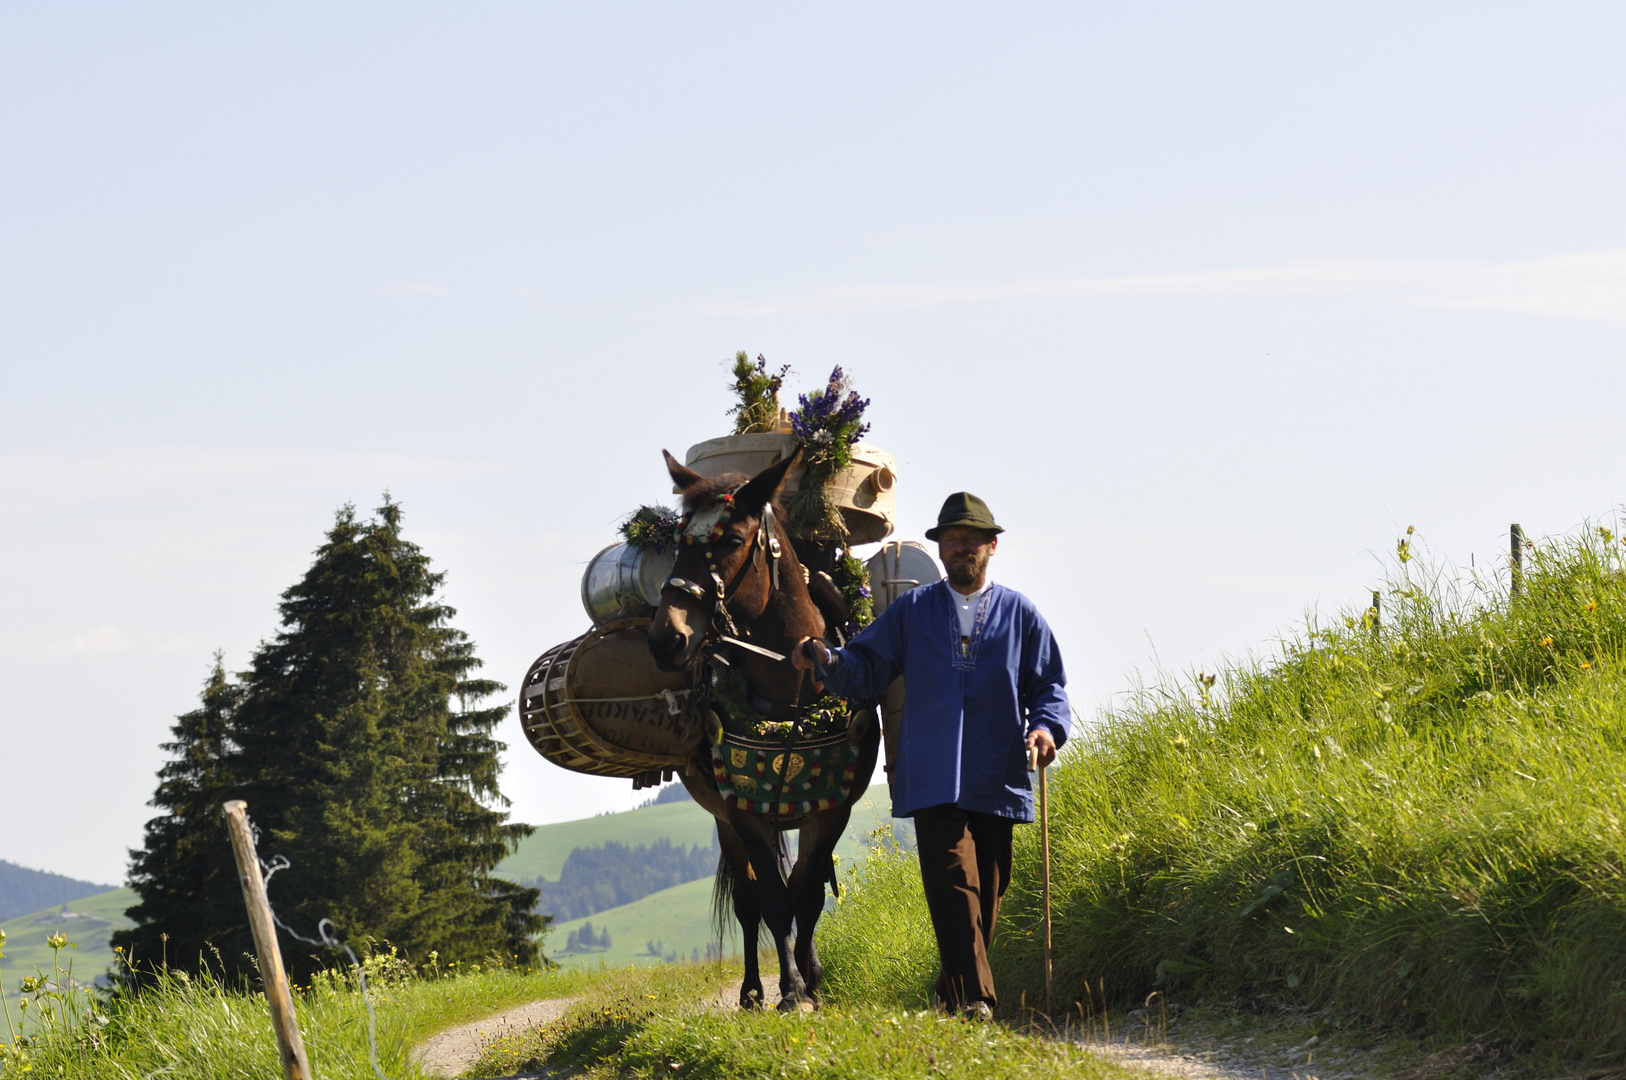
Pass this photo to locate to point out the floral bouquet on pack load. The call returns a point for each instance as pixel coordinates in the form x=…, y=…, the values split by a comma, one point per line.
x=757, y=410
x=827, y=425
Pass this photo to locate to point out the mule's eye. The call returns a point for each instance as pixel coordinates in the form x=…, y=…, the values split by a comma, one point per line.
x=732, y=542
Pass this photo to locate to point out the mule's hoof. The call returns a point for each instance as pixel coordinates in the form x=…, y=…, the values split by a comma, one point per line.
x=750, y=999
x=796, y=1004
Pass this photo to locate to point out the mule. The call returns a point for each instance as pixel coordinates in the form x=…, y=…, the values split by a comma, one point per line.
x=738, y=576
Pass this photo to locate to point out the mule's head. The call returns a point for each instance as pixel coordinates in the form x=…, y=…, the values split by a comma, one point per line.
x=721, y=547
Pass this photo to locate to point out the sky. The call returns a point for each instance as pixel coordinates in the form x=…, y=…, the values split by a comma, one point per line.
x=1209, y=302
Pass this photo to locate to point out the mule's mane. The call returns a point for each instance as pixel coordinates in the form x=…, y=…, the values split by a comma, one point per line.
x=704, y=491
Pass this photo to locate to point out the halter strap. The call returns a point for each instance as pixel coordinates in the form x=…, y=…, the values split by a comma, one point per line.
x=766, y=540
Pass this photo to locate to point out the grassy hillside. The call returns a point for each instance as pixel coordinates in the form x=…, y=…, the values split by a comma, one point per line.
x=1421, y=824
x=680, y=916
x=543, y=853
x=23, y=890
x=194, y=1028
x=97, y=917
x=639, y=1022
x=663, y=1021
x=26, y=951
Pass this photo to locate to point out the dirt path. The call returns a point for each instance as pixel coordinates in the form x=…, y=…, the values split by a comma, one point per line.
x=1238, y=1046
x=1224, y=1056
x=1170, y=1061
x=451, y=1052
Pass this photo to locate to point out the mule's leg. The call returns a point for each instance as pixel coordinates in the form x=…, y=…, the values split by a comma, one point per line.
x=747, y=897
x=768, y=856
x=820, y=832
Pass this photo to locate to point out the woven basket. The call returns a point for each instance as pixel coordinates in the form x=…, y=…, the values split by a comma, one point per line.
x=598, y=705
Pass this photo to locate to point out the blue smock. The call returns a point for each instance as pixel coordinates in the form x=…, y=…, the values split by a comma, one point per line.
x=965, y=717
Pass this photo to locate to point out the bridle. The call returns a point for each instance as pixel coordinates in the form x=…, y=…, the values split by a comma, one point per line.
x=766, y=544
x=722, y=630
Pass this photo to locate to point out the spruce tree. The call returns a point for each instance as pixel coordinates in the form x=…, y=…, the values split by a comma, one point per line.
x=359, y=770
x=184, y=873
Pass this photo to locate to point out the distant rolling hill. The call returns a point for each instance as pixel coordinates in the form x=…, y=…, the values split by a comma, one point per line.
x=543, y=853
x=87, y=923
x=23, y=890
x=678, y=917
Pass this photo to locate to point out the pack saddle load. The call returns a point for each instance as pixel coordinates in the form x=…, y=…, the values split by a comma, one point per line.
x=598, y=704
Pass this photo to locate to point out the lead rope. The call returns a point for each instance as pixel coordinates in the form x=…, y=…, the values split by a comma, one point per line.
x=790, y=744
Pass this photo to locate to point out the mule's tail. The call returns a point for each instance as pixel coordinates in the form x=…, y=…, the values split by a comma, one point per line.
x=722, y=899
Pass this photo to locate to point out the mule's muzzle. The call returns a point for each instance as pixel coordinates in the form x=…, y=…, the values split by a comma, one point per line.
x=674, y=651
x=672, y=642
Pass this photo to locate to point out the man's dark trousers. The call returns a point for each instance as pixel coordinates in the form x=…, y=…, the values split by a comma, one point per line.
x=965, y=866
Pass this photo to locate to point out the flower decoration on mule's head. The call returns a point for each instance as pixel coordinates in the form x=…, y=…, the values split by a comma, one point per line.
x=654, y=528
x=709, y=525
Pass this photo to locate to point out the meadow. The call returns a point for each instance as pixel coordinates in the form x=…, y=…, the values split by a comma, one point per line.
x=1406, y=823
x=667, y=1021
x=26, y=949
x=543, y=853
x=1413, y=822
x=197, y=1027
x=629, y=1022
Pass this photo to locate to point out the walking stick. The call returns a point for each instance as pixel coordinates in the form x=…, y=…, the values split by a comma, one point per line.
x=1044, y=842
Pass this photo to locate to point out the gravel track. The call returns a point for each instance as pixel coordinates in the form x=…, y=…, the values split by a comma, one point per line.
x=454, y=1050
x=451, y=1052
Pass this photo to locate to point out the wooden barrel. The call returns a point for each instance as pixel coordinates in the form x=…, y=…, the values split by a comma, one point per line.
x=865, y=493
x=599, y=705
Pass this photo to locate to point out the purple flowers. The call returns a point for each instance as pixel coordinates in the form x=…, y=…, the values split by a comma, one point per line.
x=830, y=422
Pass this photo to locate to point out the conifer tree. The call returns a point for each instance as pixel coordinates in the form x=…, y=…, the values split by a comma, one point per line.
x=184, y=873
x=359, y=770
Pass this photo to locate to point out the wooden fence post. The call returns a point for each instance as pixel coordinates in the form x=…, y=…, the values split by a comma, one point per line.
x=294, y=1065
x=1515, y=542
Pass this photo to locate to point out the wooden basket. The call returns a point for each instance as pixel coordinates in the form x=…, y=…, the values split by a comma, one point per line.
x=865, y=493
x=598, y=705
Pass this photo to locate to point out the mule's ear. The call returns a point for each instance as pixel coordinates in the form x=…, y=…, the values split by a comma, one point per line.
x=683, y=476
x=764, y=486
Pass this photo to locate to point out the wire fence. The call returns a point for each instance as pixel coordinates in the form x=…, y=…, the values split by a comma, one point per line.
x=328, y=940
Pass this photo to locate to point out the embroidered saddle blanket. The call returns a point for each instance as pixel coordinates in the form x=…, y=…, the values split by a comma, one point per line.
x=785, y=776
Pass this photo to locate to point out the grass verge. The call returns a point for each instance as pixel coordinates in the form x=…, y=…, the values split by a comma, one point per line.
x=666, y=1021
x=1420, y=823
x=188, y=1027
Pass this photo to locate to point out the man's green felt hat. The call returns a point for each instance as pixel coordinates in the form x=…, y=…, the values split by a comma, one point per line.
x=964, y=508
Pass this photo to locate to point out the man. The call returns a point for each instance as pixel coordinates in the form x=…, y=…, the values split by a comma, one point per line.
x=985, y=684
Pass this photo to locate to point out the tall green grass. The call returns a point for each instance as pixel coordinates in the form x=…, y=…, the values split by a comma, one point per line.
x=878, y=948
x=197, y=1028
x=669, y=1020
x=1419, y=824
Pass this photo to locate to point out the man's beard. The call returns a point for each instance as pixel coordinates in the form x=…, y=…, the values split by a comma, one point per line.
x=967, y=571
